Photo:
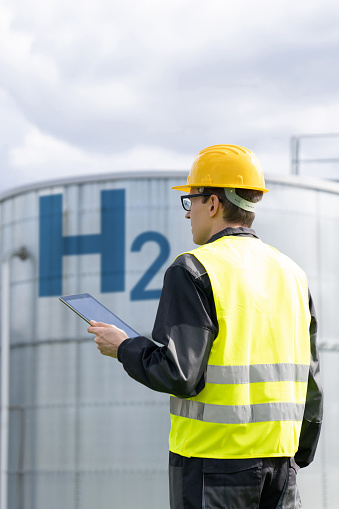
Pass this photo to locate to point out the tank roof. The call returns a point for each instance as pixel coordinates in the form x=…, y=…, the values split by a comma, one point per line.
x=330, y=186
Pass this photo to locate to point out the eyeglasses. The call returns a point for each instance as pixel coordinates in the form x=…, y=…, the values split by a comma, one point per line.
x=186, y=200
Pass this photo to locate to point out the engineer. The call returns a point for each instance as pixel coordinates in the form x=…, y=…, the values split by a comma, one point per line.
x=239, y=355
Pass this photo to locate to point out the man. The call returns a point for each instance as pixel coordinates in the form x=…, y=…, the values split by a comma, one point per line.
x=239, y=358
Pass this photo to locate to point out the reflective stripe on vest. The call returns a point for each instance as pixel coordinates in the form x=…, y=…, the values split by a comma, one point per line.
x=257, y=373
x=253, y=401
x=236, y=414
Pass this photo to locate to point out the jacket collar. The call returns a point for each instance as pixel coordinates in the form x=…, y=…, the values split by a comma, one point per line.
x=241, y=231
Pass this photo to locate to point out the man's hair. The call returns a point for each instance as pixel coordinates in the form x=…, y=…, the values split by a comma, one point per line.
x=232, y=213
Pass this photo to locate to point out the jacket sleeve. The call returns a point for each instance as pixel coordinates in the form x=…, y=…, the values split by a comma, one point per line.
x=311, y=425
x=183, y=327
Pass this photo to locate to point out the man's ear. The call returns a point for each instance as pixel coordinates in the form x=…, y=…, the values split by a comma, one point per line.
x=214, y=205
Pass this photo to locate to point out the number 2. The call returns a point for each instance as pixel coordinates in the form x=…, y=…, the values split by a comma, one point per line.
x=139, y=292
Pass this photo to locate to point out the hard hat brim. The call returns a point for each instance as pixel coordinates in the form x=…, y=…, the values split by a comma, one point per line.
x=187, y=188
x=182, y=188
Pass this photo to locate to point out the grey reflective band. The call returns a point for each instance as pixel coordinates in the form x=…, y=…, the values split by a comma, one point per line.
x=232, y=196
x=236, y=414
x=256, y=373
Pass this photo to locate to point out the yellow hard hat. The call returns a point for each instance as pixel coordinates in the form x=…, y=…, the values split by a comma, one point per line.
x=225, y=166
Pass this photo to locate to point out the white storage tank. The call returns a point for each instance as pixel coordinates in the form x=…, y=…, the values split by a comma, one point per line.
x=81, y=433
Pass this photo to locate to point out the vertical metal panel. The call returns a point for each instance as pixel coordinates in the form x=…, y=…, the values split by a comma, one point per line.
x=82, y=432
x=302, y=223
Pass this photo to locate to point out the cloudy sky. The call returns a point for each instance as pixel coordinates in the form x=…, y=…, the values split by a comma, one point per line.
x=106, y=85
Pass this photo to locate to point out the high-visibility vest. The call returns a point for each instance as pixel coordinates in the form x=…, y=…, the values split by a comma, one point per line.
x=253, y=401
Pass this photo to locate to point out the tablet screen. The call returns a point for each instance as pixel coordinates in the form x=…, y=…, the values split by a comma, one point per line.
x=88, y=308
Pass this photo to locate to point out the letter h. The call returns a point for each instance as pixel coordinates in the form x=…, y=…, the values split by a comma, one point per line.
x=110, y=243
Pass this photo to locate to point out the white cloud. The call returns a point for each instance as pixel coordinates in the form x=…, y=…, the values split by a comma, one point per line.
x=42, y=155
x=16, y=52
x=110, y=97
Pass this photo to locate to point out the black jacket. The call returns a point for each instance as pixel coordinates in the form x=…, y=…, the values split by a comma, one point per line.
x=185, y=326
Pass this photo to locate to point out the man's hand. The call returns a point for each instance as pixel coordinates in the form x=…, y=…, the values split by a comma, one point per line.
x=108, y=337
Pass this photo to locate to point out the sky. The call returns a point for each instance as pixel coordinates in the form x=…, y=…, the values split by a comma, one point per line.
x=109, y=85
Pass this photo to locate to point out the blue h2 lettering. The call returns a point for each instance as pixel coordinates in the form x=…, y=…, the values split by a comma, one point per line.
x=110, y=243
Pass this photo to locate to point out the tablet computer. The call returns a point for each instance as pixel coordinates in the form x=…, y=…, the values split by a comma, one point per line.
x=88, y=308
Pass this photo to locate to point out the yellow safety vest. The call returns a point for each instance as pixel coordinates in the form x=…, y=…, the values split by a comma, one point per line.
x=253, y=401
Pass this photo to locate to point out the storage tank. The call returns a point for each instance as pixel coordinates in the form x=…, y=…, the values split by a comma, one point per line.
x=81, y=433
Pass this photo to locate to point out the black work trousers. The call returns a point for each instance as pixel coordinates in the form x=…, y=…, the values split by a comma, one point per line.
x=260, y=483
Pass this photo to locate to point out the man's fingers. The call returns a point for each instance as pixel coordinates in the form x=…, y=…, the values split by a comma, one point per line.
x=95, y=328
x=108, y=337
